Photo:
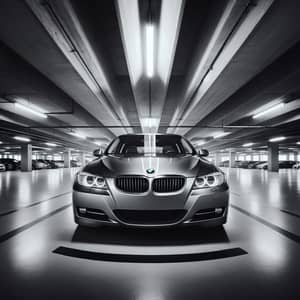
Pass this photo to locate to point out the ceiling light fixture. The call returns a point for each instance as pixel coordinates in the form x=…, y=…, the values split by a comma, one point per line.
x=149, y=50
x=267, y=111
x=150, y=125
x=277, y=139
x=220, y=134
x=23, y=139
x=81, y=136
x=298, y=143
x=200, y=143
x=248, y=144
x=35, y=111
x=51, y=144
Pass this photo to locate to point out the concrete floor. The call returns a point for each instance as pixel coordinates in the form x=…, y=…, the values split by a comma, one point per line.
x=264, y=221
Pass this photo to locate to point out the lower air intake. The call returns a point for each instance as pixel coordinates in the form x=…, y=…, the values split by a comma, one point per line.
x=150, y=217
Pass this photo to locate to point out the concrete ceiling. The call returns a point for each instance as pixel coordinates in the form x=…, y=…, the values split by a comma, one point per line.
x=84, y=63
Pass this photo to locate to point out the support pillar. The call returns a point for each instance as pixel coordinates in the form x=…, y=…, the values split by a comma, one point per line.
x=273, y=157
x=67, y=159
x=26, y=158
x=217, y=159
x=82, y=158
x=231, y=159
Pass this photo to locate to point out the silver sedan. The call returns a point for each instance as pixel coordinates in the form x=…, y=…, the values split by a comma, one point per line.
x=150, y=180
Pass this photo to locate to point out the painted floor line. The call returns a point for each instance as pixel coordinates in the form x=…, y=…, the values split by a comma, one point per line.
x=20, y=229
x=32, y=204
x=289, y=235
x=165, y=258
x=290, y=213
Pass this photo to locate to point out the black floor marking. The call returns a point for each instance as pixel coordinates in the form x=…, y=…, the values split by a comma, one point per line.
x=282, y=210
x=290, y=213
x=32, y=204
x=132, y=258
x=290, y=235
x=20, y=229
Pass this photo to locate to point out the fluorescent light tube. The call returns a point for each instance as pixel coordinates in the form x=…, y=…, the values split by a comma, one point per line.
x=267, y=111
x=51, y=144
x=23, y=139
x=30, y=110
x=200, y=143
x=248, y=144
x=217, y=135
x=81, y=136
x=277, y=139
x=98, y=143
x=149, y=50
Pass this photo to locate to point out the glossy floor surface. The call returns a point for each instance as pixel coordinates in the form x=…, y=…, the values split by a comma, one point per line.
x=45, y=256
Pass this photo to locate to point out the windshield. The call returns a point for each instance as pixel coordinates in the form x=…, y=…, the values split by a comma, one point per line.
x=164, y=145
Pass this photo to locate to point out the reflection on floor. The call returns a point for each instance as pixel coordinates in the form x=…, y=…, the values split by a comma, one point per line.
x=36, y=218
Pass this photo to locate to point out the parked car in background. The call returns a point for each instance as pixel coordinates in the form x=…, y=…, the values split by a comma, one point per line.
x=58, y=163
x=296, y=165
x=244, y=164
x=51, y=164
x=262, y=165
x=286, y=164
x=224, y=163
x=75, y=163
x=252, y=165
x=38, y=165
x=2, y=167
x=10, y=164
x=46, y=163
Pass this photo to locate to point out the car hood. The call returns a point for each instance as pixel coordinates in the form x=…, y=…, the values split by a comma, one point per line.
x=112, y=166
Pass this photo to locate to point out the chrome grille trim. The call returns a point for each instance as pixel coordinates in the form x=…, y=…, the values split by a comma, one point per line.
x=132, y=184
x=168, y=184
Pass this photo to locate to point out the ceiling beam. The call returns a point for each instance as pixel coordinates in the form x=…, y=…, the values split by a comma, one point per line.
x=210, y=68
x=82, y=57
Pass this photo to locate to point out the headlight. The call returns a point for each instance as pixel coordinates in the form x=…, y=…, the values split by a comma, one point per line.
x=89, y=180
x=209, y=180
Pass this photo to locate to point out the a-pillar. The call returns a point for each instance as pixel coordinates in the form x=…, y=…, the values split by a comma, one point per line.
x=217, y=159
x=82, y=158
x=231, y=159
x=273, y=153
x=67, y=159
x=26, y=158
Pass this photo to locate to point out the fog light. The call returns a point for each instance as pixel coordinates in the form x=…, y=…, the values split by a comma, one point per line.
x=218, y=211
x=82, y=210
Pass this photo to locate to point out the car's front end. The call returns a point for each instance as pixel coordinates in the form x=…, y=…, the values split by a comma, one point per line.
x=150, y=190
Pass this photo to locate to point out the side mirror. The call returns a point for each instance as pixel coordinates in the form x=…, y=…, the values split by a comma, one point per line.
x=203, y=153
x=98, y=152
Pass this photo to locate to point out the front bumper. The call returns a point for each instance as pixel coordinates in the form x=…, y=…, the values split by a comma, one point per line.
x=206, y=207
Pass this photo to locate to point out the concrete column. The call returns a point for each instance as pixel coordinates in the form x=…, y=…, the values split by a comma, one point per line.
x=231, y=159
x=67, y=159
x=26, y=158
x=217, y=159
x=273, y=153
x=82, y=158
x=296, y=155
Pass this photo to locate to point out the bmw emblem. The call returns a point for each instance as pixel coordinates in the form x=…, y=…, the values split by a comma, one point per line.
x=150, y=171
